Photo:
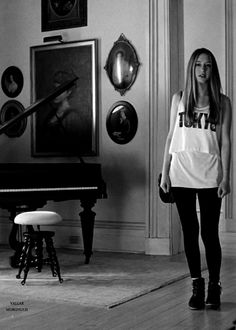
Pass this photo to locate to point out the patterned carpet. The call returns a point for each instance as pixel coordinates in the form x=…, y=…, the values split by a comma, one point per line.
x=109, y=280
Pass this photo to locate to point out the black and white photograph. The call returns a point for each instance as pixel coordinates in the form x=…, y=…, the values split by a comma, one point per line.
x=67, y=124
x=117, y=165
x=12, y=81
x=10, y=110
x=63, y=14
x=122, y=122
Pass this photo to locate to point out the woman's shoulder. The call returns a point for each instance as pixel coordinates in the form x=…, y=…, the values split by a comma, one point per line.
x=226, y=108
x=178, y=94
x=175, y=104
x=225, y=100
x=177, y=97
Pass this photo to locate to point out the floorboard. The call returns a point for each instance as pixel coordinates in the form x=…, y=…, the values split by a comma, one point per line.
x=163, y=309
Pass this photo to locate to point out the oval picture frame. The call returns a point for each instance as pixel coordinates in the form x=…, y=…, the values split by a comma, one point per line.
x=122, y=122
x=122, y=65
x=9, y=110
x=12, y=81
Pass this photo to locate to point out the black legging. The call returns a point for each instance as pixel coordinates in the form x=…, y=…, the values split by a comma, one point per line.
x=210, y=205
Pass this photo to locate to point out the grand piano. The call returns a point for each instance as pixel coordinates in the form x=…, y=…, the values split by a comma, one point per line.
x=28, y=186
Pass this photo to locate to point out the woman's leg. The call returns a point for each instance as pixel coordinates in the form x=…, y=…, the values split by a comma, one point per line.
x=186, y=204
x=185, y=199
x=210, y=205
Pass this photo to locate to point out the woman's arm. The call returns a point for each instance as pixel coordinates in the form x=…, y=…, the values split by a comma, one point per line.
x=165, y=180
x=224, y=186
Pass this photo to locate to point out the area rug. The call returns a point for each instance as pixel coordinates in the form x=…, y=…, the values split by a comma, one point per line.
x=109, y=280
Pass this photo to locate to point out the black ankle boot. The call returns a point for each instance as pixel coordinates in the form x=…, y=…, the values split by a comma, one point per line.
x=197, y=301
x=213, y=296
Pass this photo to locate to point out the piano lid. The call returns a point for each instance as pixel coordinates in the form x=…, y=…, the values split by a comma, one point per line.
x=35, y=106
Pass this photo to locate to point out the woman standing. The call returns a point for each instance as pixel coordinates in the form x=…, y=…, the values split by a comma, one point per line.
x=197, y=164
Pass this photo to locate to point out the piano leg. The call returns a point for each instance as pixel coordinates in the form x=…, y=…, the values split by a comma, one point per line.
x=15, y=245
x=87, y=217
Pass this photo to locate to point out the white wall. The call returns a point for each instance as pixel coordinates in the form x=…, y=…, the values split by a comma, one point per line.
x=204, y=26
x=122, y=218
x=125, y=167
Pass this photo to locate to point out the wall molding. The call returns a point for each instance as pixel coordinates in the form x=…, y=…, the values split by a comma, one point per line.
x=162, y=227
x=157, y=246
x=108, y=235
x=159, y=100
x=128, y=225
x=229, y=64
x=153, y=97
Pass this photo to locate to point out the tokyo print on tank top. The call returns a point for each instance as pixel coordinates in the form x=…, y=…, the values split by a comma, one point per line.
x=195, y=151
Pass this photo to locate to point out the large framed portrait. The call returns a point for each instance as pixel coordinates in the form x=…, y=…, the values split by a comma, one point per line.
x=67, y=125
x=63, y=14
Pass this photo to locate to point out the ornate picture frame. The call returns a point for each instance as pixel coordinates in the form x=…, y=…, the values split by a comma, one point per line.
x=63, y=14
x=122, y=65
x=12, y=81
x=122, y=122
x=67, y=126
x=9, y=110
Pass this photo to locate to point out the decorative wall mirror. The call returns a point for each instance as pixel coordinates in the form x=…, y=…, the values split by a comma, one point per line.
x=122, y=65
x=122, y=122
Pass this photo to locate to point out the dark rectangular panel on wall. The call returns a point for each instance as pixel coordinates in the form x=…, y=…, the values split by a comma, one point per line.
x=65, y=14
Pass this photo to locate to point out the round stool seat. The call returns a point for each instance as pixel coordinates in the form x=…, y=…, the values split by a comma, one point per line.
x=38, y=218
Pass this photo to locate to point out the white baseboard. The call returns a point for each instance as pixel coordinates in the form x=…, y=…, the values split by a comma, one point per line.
x=230, y=225
x=157, y=246
x=108, y=236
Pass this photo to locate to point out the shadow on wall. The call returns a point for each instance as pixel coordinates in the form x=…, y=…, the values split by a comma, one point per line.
x=126, y=181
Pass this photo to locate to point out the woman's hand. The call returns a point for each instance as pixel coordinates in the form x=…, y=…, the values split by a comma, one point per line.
x=224, y=188
x=165, y=183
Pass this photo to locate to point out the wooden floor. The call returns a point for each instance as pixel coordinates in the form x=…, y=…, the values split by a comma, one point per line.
x=164, y=309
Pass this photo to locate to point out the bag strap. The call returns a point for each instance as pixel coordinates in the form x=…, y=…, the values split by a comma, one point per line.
x=219, y=126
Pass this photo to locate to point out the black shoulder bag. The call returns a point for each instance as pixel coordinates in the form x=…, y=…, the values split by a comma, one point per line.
x=165, y=197
x=168, y=196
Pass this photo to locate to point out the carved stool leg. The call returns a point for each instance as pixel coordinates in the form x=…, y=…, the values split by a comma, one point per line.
x=27, y=258
x=38, y=252
x=54, y=264
x=23, y=254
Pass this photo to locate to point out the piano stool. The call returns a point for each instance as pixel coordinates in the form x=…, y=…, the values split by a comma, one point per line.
x=32, y=250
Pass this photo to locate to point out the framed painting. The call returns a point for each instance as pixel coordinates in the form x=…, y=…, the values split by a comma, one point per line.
x=122, y=122
x=9, y=110
x=12, y=81
x=63, y=14
x=67, y=125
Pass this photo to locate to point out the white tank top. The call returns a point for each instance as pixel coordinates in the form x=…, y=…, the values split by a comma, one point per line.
x=195, y=151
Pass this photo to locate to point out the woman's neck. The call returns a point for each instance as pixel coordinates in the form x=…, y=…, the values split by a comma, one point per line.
x=203, y=96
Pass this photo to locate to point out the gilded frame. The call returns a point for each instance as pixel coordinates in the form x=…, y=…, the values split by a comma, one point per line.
x=75, y=130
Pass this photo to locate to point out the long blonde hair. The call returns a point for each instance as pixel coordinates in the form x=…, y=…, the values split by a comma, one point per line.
x=214, y=87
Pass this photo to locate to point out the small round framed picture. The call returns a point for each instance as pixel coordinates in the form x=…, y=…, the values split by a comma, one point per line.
x=12, y=81
x=9, y=110
x=122, y=122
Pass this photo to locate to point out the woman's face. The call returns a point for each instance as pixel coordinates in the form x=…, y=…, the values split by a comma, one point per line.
x=63, y=96
x=203, y=68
